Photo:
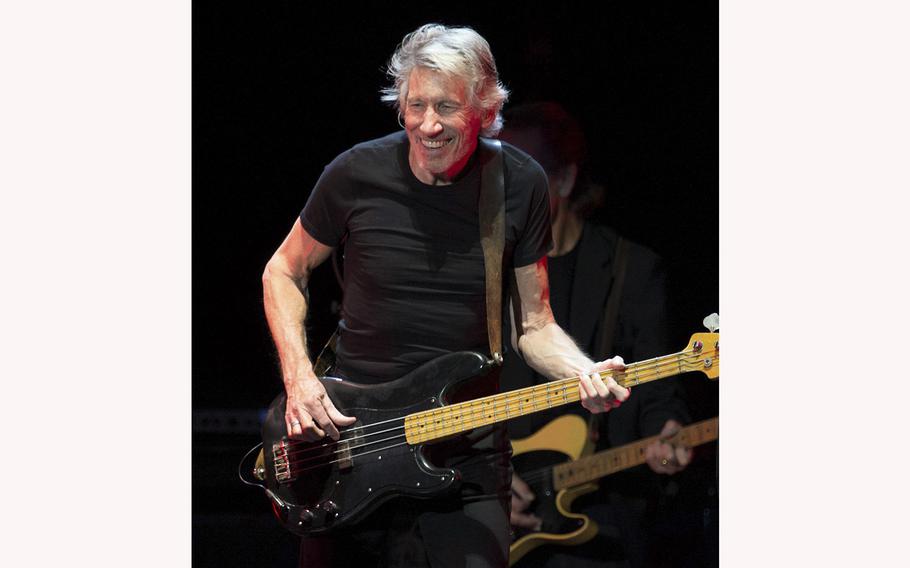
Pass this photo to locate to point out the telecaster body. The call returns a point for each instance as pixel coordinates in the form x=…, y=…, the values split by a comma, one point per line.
x=564, y=439
x=560, y=475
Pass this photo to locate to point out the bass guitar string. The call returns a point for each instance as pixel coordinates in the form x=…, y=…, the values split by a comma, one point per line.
x=351, y=457
x=300, y=462
x=643, y=367
x=545, y=395
x=433, y=430
x=324, y=447
x=544, y=398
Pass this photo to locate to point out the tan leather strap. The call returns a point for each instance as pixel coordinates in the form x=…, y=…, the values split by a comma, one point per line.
x=492, y=236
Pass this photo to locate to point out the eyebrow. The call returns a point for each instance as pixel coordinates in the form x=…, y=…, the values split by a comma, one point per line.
x=410, y=99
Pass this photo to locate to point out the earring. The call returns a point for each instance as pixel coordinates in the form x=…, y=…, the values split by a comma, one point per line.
x=400, y=122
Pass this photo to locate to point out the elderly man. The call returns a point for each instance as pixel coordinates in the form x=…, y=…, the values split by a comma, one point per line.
x=406, y=206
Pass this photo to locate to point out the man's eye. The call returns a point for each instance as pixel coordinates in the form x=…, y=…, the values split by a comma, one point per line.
x=415, y=106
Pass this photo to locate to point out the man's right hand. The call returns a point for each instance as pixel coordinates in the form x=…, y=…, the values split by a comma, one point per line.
x=522, y=497
x=310, y=414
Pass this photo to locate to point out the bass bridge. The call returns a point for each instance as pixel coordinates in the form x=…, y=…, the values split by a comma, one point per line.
x=291, y=458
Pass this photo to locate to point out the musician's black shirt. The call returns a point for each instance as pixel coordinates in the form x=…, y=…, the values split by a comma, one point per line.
x=413, y=264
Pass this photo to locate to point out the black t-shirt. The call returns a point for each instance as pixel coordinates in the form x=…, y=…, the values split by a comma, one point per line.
x=414, y=275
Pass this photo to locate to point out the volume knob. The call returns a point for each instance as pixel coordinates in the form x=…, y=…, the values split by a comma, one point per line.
x=331, y=509
x=306, y=517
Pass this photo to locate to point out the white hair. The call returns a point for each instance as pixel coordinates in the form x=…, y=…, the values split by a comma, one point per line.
x=458, y=52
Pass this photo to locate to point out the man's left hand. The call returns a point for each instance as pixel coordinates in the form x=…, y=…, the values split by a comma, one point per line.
x=602, y=394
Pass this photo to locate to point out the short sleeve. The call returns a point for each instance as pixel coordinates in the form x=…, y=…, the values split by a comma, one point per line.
x=326, y=212
x=534, y=238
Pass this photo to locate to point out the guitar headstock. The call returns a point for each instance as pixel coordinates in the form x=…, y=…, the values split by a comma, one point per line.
x=703, y=354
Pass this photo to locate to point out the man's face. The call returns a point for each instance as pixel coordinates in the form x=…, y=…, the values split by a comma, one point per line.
x=442, y=128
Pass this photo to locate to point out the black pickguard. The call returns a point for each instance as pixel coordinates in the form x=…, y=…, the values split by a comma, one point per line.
x=535, y=469
x=329, y=485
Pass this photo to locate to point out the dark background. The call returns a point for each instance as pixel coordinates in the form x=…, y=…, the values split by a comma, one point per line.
x=279, y=90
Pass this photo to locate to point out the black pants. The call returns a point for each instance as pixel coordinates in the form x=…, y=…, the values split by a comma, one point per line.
x=418, y=534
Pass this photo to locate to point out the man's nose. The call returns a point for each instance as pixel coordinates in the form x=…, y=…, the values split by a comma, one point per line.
x=430, y=124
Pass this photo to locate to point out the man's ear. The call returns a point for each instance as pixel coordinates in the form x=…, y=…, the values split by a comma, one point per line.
x=488, y=118
x=564, y=180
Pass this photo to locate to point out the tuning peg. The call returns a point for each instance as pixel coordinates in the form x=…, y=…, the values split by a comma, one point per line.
x=712, y=322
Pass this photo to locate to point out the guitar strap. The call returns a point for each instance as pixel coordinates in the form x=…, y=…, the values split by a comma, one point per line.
x=492, y=237
x=491, y=208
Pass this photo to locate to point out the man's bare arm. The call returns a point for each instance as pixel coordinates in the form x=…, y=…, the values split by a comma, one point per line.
x=310, y=414
x=549, y=350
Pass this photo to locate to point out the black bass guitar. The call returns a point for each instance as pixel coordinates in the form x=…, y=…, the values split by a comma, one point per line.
x=557, y=486
x=316, y=487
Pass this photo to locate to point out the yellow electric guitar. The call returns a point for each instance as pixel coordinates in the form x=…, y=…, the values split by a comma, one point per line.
x=556, y=487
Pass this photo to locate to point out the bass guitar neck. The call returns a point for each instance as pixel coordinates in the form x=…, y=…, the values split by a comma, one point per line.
x=702, y=354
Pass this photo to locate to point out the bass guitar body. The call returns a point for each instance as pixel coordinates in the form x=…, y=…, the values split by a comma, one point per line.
x=316, y=487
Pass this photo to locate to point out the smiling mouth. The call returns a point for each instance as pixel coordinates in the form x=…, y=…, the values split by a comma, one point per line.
x=435, y=144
